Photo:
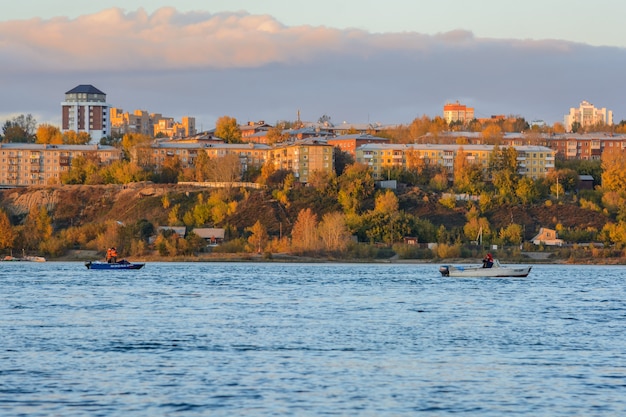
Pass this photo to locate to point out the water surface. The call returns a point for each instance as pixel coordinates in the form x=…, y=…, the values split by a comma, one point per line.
x=250, y=339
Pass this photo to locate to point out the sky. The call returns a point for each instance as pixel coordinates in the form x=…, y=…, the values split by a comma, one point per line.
x=355, y=61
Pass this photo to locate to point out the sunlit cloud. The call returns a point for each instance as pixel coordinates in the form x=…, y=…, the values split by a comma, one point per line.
x=196, y=62
x=168, y=39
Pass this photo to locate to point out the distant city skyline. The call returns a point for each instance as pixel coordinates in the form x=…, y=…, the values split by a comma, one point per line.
x=269, y=64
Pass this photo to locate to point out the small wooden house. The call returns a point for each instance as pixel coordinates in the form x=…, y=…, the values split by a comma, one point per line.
x=547, y=237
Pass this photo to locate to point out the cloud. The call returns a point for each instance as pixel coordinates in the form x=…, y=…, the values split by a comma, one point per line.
x=253, y=66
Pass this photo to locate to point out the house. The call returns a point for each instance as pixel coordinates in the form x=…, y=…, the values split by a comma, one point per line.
x=547, y=237
x=213, y=236
x=585, y=182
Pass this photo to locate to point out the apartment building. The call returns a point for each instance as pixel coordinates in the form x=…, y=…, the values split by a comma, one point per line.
x=250, y=154
x=24, y=164
x=590, y=146
x=303, y=157
x=151, y=124
x=85, y=110
x=457, y=112
x=350, y=143
x=533, y=161
x=587, y=115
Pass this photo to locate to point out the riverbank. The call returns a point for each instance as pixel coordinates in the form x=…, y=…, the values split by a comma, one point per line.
x=528, y=258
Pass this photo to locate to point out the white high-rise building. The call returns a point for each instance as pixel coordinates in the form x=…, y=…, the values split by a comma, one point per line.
x=85, y=110
x=587, y=115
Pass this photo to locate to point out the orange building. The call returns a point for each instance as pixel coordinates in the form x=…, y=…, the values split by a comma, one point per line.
x=456, y=112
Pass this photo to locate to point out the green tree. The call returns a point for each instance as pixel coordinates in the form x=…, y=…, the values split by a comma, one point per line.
x=20, y=129
x=355, y=185
x=468, y=176
x=37, y=228
x=527, y=191
x=512, y=234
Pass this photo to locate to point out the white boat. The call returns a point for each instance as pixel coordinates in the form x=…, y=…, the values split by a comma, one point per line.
x=497, y=270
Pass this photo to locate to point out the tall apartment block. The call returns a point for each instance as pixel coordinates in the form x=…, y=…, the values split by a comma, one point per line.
x=85, y=110
x=587, y=115
x=457, y=112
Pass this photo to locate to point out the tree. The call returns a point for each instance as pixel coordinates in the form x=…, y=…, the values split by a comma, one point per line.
x=334, y=232
x=304, y=235
x=76, y=138
x=526, y=190
x=225, y=169
x=512, y=234
x=258, y=236
x=476, y=225
x=227, y=128
x=386, y=203
x=355, y=185
x=467, y=176
x=276, y=135
x=614, y=171
x=37, y=228
x=49, y=134
x=19, y=129
x=7, y=233
x=492, y=134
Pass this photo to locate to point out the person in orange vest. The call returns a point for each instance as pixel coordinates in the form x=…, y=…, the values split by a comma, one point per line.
x=108, y=258
x=113, y=255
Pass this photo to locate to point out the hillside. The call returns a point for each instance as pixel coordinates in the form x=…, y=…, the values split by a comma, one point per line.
x=75, y=205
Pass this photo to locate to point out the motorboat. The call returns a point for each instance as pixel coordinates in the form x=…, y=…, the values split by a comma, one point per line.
x=120, y=265
x=495, y=270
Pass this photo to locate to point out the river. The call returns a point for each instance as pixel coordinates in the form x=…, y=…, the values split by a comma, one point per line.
x=261, y=339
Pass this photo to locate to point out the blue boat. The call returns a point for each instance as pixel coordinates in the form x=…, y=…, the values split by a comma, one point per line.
x=122, y=264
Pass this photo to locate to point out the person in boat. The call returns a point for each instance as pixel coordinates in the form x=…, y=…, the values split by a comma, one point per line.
x=488, y=261
x=113, y=255
x=108, y=257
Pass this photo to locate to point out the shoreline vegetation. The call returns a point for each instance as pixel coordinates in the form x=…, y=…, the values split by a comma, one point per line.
x=302, y=224
x=534, y=258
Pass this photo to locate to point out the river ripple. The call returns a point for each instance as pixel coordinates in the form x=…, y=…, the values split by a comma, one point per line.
x=262, y=339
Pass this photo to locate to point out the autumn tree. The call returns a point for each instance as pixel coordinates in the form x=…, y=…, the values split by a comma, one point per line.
x=468, y=176
x=135, y=140
x=476, y=225
x=7, y=233
x=276, y=135
x=504, y=175
x=334, y=232
x=49, y=134
x=72, y=137
x=526, y=190
x=386, y=202
x=492, y=134
x=224, y=169
x=37, y=228
x=228, y=129
x=513, y=234
x=84, y=170
x=169, y=171
x=304, y=235
x=258, y=236
x=614, y=171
